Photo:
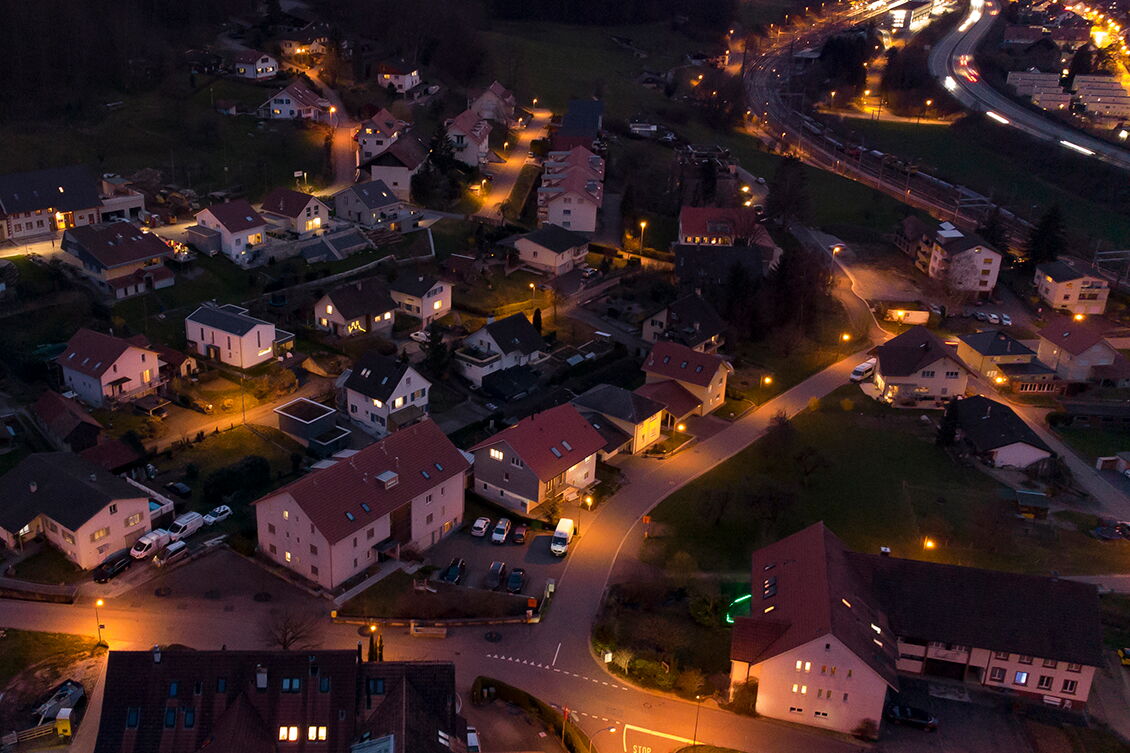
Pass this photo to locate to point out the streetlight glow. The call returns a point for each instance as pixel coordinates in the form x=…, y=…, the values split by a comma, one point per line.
x=767, y=379
x=846, y=337
x=928, y=543
x=1079, y=317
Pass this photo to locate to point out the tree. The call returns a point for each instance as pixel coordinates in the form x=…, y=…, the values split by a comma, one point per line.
x=441, y=152
x=690, y=681
x=788, y=192
x=437, y=356
x=993, y=230
x=286, y=629
x=537, y=320
x=1048, y=238
x=622, y=658
x=947, y=427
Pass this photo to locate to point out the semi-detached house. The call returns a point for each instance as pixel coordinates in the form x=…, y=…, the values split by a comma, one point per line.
x=383, y=394
x=102, y=369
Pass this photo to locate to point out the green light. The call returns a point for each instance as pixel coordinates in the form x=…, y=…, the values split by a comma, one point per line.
x=734, y=603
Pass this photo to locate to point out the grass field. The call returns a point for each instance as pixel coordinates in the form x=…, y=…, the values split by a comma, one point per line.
x=48, y=565
x=22, y=648
x=1095, y=443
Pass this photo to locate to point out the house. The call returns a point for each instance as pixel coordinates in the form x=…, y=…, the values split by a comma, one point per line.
x=374, y=205
x=309, y=40
x=336, y=522
x=549, y=457
x=832, y=626
x=313, y=425
x=180, y=700
x=255, y=65
x=1000, y=357
x=376, y=134
x=703, y=375
x=396, y=165
x=103, y=370
x=911, y=233
x=236, y=228
x=43, y=202
x=577, y=158
x=1065, y=288
x=717, y=226
x=678, y=404
x=470, y=137
x=571, y=200
x=297, y=102
x=638, y=417
x=384, y=394
x=424, y=297
x=497, y=346
x=119, y=258
x=496, y=103
x=1096, y=414
x=689, y=320
x=996, y=434
x=1078, y=350
x=296, y=211
x=552, y=249
x=362, y=307
x=962, y=261
x=65, y=423
x=230, y=335
x=917, y=366
x=397, y=75
x=172, y=363
x=81, y=509
x=700, y=267
x=580, y=125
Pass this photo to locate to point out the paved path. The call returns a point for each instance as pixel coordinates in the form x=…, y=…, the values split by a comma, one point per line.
x=506, y=174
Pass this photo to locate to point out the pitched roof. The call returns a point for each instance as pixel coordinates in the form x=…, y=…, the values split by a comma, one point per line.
x=407, y=151
x=582, y=117
x=996, y=343
x=471, y=124
x=813, y=593
x=302, y=95
x=677, y=361
x=286, y=202
x=988, y=425
x=67, y=488
x=672, y=395
x=556, y=238
x=62, y=188
x=383, y=122
x=248, y=56
x=416, y=286
x=515, y=333
x=614, y=438
x=691, y=320
x=228, y=318
x=618, y=402
x=112, y=454
x=908, y=353
x=373, y=194
x=579, y=181
x=1059, y=271
x=62, y=415
x=113, y=244
x=395, y=67
x=376, y=376
x=500, y=91
x=549, y=442
x=363, y=297
x=236, y=216
x=1074, y=337
x=335, y=498
x=92, y=353
x=707, y=221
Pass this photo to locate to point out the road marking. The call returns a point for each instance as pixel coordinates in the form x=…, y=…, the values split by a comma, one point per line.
x=555, y=653
x=647, y=731
x=527, y=662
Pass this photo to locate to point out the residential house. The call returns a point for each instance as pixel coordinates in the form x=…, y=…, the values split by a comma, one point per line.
x=362, y=307
x=547, y=457
x=43, y=202
x=1079, y=351
x=383, y=394
x=580, y=125
x=396, y=165
x=917, y=366
x=552, y=249
x=180, y=700
x=424, y=297
x=103, y=370
x=119, y=258
x=376, y=134
x=571, y=190
x=255, y=65
x=337, y=522
x=1009, y=363
x=295, y=211
x=298, y=102
x=470, y=137
x=911, y=233
x=717, y=226
x=314, y=426
x=310, y=40
x=65, y=423
x=230, y=335
x=994, y=432
x=375, y=205
x=496, y=103
x=688, y=320
x=75, y=505
x=703, y=268
x=638, y=417
x=235, y=228
x=962, y=261
x=1064, y=287
x=397, y=75
x=497, y=346
x=702, y=375
x=678, y=404
x=172, y=363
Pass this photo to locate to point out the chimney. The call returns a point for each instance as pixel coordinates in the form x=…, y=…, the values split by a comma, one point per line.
x=32, y=487
x=884, y=551
x=260, y=677
x=156, y=654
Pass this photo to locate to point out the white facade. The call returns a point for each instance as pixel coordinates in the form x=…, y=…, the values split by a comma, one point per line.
x=243, y=351
x=435, y=303
x=541, y=258
x=372, y=414
x=263, y=67
x=138, y=367
x=397, y=177
x=573, y=211
x=944, y=378
x=313, y=218
x=401, y=81
x=480, y=355
x=116, y=526
x=1084, y=295
x=234, y=245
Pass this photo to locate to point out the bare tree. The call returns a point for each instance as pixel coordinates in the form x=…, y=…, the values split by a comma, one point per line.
x=288, y=629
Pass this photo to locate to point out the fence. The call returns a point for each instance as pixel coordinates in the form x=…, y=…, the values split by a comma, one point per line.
x=12, y=588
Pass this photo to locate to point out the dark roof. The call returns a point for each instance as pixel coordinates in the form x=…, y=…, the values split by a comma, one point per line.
x=1059, y=271
x=236, y=216
x=286, y=202
x=1029, y=368
x=512, y=383
x=1033, y=615
x=996, y=343
x=677, y=361
x=987, y=424
x=1075, y=337
x=62, y=188
x=614, y=438
x=62, y=416
x=515, y=333
x=376, y=376
x=374, y=194
x=112, y=454
x=416, y=286
x=672, y=395
x=92, y=353
x=556, y=238
x=910, y=352
x=696, y=265
x=582, y=115
x=113, y=244
x=618, y=402
x=692, y=321
x=362, y=297
x=549, y=442
x=406, y=151
x=68, y=489
x=228, y=318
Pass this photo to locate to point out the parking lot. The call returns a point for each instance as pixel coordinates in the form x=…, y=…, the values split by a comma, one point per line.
x=533, y=556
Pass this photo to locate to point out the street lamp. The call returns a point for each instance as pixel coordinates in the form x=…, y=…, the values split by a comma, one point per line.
x=535, y=101
x=98, y=620
x=592, y=737
x=531, y=294
x=697, y=709
x=643, y=232
x=833, y=99
x=845, y=337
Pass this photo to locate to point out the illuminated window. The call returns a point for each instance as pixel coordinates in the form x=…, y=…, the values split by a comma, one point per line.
x=316, y=733
x=1021, y=678
x=496, y=454
x=133, y=520
x=804, y=690
x=287, y=556
x=799, y=664
x=288, y=734
x=437, y=305
x=329, y=309
x=286, y=514
x=398, y=402
x=796, y=687
x=808, y=666
x=101, y=533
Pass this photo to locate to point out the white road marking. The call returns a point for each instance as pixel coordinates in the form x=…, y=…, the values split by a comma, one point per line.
x=555, y=653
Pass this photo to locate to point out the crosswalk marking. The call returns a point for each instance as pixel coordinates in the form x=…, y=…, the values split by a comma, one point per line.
x=528, y=663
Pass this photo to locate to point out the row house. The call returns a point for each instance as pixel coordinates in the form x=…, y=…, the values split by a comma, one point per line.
x=383, y=394
x=571, y=190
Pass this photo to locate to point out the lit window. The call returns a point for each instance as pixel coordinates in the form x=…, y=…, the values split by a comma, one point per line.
x=329, y=309
x=316, y=733
x=876, y=628
x=808, y=666
x=1020, y=679
x=437, y=305
x=286, y=514
x=288, y=556
x=288, y=734
x=496, y=454
x=804, y=690
x=796, y=687
x=799, y=664
x=846, y=603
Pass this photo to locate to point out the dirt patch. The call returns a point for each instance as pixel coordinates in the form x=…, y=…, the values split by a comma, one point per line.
x=29, y=686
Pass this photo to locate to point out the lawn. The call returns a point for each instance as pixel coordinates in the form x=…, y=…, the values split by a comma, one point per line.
x=48, y=565
x=520, y=193
x=488, y=296
x=394, y=596
x=1095, y=443
x=19, y=649
x=453, y=236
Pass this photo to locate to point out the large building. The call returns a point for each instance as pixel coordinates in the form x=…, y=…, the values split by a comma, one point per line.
x=1064, y=287
x=43, y=202
x=918, y=367
x=961, y=261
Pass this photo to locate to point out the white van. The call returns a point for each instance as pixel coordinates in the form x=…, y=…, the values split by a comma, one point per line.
x=186, y=525
x=559, y=545
x=177, y=550
x=149, y=544
x=864, y=371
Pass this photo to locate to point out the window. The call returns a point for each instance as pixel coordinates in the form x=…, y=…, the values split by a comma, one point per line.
x=996, y=674
x=287, y=556
x=170, y=717
x=1069, y=686
x=133, y=520
x=428, y=520
x=1024, y=659
x=198, y=687
x=845, y=697
x=313, y=569
x=370, y=533
x=133, y=717
x=291, y=684
x=286, y=514
x=113, y=509
x=1050, y=663
x=1002, y=655
x=927, y=374
x=1072, y=667
x=173, y=689
x=820, y=714
x=495, y=454
x=377, y=685
x=316, y=734
x=1021, y=678
x=324, y=685
x=189, y=718
x=951, y=375
x=517, y=462
x=221, y=684
x=1045, y=682
x=795, y=710
x=799, y=665
x=313, y=550
x=288, y=734
x=101, y=533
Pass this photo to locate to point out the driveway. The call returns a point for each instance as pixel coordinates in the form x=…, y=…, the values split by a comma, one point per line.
x=981, y=723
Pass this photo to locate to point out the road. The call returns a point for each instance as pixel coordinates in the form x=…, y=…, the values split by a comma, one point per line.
x=979, y=95
x=343, y=127
x=506, y=174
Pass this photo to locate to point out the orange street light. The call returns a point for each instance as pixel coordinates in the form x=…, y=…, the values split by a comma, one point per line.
x=846, y=337
x=98, y=620
x=332, y=109
x=1079, y=317
x=928, y=543
x=766, y=380
x=643, y=232
x=999, y=380
x=681, y=427
x=372, y=628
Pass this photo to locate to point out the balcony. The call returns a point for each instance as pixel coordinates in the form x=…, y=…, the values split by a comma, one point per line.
x=472, y=356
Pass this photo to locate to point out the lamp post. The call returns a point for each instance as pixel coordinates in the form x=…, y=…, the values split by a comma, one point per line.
x=98, y=620
x=592, y=737
x=333, y=117
x=697, y=709
x=643, y=234
x=532, y=288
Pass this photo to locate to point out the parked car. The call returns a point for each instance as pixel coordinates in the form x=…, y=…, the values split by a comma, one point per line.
x=420, y=336
x=1006, y=320
x=864, y=371
x=472, y=740
x=520, y=534
x=186, y=525
x=480, y=527
x=501, y=531
x=149, y=544
x=455, y=571
x=217, y=515
x=912, y=716
x=993, y=318
x=517, y=581
x=980, y=316
x=496, y=575
x=174, y=552
x=588, y=272
x=180, y=489
x=112, y=566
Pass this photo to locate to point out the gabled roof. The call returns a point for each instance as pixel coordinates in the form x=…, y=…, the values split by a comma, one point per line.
x=708, y=221
x=677, y=361
x=996, y=343
x=286, y=202
x=471, y=124
x=614, y=438
x=92, y=353
x=62, y=415
x=113, y=244
x=67, y=489
x=910, y=352
x=578, y=181
x=618, y=402
x=232, y=319
x=356, y=299
x=407, y=151
x=416, y=286
x=301, y=95
x=1059, y=271
x=383, y=122
x=556, y=238
x=671, y=395
x=1075, y=337
x=395, y=67
x=114, y=455
x=236, y=216
x=691, y=320
x=989, y=425
x=353, y=493
x=549, y=442
x=373, y=194
x=248, y=56
x=515, y=334
x=376, y=376
x=61, y=188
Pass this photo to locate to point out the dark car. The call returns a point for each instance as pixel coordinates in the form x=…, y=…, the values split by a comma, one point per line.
x=912, y=716
x=517, y=580
x=112, y=566
x=520, y=534
x=455, y=571
x=179, y=489
x=496, y=575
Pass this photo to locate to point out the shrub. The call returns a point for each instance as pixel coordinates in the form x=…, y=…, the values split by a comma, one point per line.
x=847, y=404
x=868, y=729
x=743, y=700
x=248, y=475
x=652, y=674
x=814, y=403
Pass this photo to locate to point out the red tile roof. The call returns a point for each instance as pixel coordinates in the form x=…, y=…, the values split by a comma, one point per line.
x=236, y=216
x=383, y=122
x=421, y=456
x=674, y=397
x=113, y=244
x=712, y=221
x=92, y=353
x=111, y=454
x=286, y=202
x=472, y=125
x=676, y=361
x=1075, y=337
x=248, y=56
x=549, y=442
x=60, y=415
